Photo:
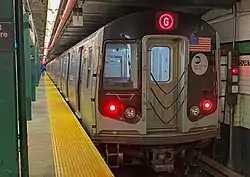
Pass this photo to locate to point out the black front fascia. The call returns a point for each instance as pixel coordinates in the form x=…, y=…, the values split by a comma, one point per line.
x=140, y=24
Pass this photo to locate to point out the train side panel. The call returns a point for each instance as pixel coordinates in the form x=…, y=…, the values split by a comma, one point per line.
x=55, y=70
x=54, y=67
x=61, y=72
x=59, y=68
x=79, y=75
x=65, y=63
x=87, y=94
x=73, y=77
x=49, y=69
x=58, y=71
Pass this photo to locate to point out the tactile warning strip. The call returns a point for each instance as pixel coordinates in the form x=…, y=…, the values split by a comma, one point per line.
x=74, y=153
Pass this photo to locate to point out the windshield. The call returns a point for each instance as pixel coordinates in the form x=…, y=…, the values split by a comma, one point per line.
x=121, y=66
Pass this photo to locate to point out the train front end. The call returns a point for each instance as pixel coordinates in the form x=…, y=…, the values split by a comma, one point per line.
x=159, y=84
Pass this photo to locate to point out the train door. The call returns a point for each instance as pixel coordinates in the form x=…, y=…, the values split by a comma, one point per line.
x=64, y=75
x=80, y=78
x=164, y=68
x=72, y=79
x=60, y=72
x=67, y=74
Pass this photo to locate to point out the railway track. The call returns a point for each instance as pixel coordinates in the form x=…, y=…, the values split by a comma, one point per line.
x=205, y=167
x=215, y=169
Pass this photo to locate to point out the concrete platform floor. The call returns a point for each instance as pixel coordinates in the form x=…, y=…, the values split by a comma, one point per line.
x=41, y=163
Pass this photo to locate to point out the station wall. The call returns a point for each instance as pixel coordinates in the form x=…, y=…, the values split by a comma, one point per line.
x=222, y=21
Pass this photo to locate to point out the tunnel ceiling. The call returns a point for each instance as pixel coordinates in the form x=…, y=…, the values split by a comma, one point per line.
x=97, y=13
x=38, y=9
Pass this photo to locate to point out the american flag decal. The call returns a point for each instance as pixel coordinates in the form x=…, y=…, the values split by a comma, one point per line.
x=199, y=44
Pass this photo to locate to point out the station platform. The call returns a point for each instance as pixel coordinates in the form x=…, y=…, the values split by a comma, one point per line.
x=58, y=145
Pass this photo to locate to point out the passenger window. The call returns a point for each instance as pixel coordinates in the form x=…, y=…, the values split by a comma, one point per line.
x=89, y=67
x=121, y=66
x=160, y=64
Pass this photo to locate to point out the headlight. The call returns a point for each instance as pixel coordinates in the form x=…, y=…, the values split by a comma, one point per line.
x=130, y=113
x=195, y=110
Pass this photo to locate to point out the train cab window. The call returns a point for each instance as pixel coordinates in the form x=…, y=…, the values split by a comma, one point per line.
x=121, y=66
x=160, y=63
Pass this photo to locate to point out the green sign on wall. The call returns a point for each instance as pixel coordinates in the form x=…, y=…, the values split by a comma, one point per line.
x=243, y=47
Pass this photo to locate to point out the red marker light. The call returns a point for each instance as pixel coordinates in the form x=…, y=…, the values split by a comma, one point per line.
x=166, y=21
x=206, y=105
x=112, y=107
x=235, y=71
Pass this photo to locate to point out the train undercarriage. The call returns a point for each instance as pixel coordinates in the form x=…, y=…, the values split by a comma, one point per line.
x=160, y=158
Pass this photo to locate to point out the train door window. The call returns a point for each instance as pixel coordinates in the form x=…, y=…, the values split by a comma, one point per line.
x=160, y=64
x=121, y=66
x=90, y=58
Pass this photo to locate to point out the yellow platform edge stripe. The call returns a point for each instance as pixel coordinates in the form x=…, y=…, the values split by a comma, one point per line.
x=73, y=151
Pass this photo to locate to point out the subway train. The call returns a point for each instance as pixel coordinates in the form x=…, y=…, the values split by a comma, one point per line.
x=145, y=87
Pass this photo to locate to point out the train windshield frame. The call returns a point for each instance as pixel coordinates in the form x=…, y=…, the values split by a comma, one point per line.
x=121, y=65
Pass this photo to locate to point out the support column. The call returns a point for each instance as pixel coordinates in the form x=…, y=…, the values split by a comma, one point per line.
x=27, y=52
x=9, y=164
x=38, y=70
x=22, y=98
x=33, y=72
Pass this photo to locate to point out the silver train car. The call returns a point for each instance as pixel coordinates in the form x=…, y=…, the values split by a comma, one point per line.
x=145, y=86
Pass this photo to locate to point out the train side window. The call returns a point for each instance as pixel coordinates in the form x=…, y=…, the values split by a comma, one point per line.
x=160, y=63
x=89, y=69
